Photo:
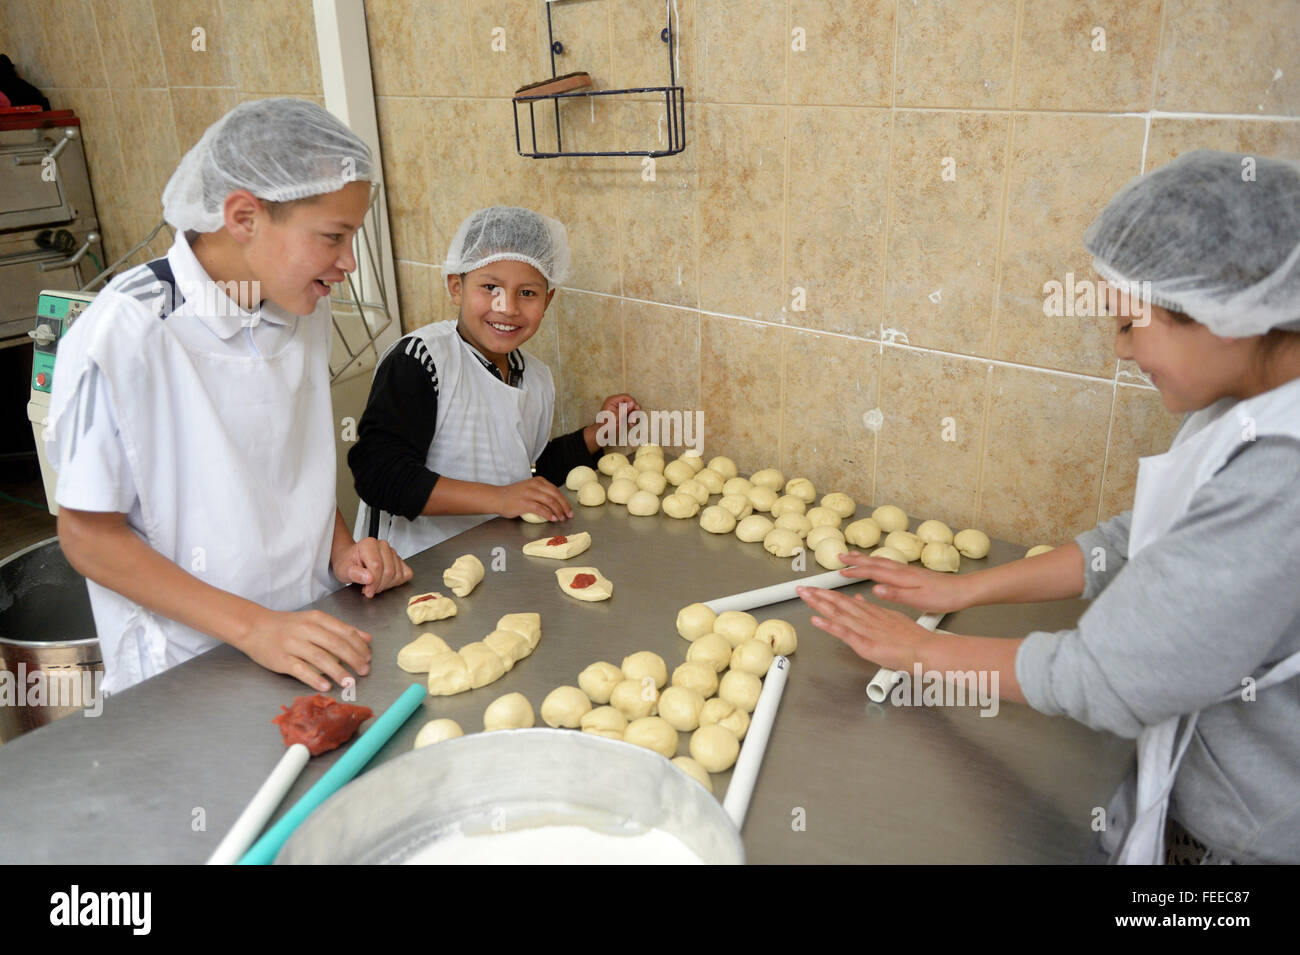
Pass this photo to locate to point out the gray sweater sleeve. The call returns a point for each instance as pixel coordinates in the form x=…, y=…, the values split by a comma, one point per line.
x=1183, y=622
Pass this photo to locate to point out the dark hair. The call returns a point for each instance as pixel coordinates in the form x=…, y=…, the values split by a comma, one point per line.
x=278, y=211
x=1271, y=343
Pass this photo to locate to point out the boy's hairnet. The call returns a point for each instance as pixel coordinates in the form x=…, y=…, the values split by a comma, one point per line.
x=277, y=149
x=509, y=232
x=1217, y=236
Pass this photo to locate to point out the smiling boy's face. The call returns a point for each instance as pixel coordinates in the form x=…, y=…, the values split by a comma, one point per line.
x=501, y=306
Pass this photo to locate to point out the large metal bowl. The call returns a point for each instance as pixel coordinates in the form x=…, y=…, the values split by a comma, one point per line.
x=513, y=779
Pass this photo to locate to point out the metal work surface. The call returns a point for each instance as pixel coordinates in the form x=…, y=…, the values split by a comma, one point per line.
x=163, y=772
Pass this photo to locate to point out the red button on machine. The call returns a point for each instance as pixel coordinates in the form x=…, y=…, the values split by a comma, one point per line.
x=40, y=379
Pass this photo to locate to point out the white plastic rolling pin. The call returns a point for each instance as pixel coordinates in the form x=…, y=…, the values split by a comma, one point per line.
x=885, y=679
x=778, y=593
x=253, y=818
x=745, y=772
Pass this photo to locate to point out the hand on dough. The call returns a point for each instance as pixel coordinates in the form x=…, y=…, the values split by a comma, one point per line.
x=886, y=637
x=373, y=564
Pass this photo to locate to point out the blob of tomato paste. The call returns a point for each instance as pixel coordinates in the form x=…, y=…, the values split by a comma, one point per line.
x=320, y=723
x=557, y=540
x=582, y=581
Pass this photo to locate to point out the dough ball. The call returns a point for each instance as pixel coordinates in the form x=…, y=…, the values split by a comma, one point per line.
x=717, y=520
x=782, y=541
x=448, y=674
x=584, y=583
x=696, y=490
x=762, y=498
x=626, y=473
x=724, y=466
x=598, y=681
x=972, y=543
x=712, y=649
x=718, y=712
x=635, y=699
x=863, y=533
x=825, y=533
x=934, y=532
x=752, y=656
x=942, y=557
x=787, y=504
x=801, y=488
x=693, y=769
x=651, y=481
x=737, y=505
x=509, y=712
x=841, y=504
x=736, y=625
x=680, y=706
x=463, y=575
x=649, y=462
x=532, y=518
x=906, y=543
x=591, y=494
x=824, y=517
x=645, y=663
x=643, y=449
x=890, y=518
x=653, y=733
x=889, y=554
x=695, y=620
x=508, y=645
x=604, y=721
x=435, y=731
x=714, y=748
x=700, y=677
x=737, y=485
x=527, y=625
x=768, y=478
x=694, y=458
x=678, y=472
x=753, y=528
x=779, y=635
x=681, y=506
x=620, y=490
x=827, y=553
x=425, y=608
x=799, y=523
x=740, y=688
x=643, y=504
x=611, y=462
x=483, y=663
x=1038, y=549
x=415, y=656
x=579, y=476
x=565, y=706
x=711, y=480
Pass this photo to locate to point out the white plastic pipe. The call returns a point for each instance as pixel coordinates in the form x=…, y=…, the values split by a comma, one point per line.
x=886, y=679
x=778, y=593
x=745, y=772
x=251, y=821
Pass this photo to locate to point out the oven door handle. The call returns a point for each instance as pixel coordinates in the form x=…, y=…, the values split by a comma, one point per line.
x=74, y=258
x=30, y=159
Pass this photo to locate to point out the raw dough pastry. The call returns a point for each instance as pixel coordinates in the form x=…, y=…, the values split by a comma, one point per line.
x=680, y=706
x=827, y=553
x=740, y=688
x=798, y=523
x=769, y=478
x=712, y=649
x=779, y=635
x=696, y=490
x=718, y=712
x=509, y=646
x=584, y=583
x=940, y=556
x=532, y=518
x=787, y=504
x=972, y=543
x=752, y=656
x=890, y=518
x=714, y=748
x=620, y=490
x=643, y=504
x=483, y=663
x=463, y=575
x=649, y=462
x=762, y=498
x=634, y=700
x=653, y=733
x=823, y=533
x=559, y=547
x=863, y=533
x=1038, y=549
x=737, y=505
x=889, y=553
x=825, y=517
x=435, y=731
x=711, y=480
x=681, y=506
x=626, y=472
x=906, y=543
x=527, y=625
x=644, y=449
x=724, y=466
x=700, y=677
x=509, y=712
x=424, y=608
x=693, y=769
x=599, y=680
x=736, y=625
x=694, y=459
x=611, y=462
x=604, y=721
x=841, y=504
x=651, y=481
x=415, y=656
x=753, y=528
x=695, y=620
x=717, y=520
x=448, y=674
x=591, y=494
x=801, y=488
x=565, y=706
x=645, y=663
x=579, y=476
x=782, y=541
x=737, y=485
x=678, y=472
x=934, y=532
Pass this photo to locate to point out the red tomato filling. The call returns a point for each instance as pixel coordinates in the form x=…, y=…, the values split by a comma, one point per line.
x=583, y=581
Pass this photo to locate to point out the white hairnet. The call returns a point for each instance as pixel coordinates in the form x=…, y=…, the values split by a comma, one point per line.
x=1216, y=234
x=509, y=232
x=277, y=149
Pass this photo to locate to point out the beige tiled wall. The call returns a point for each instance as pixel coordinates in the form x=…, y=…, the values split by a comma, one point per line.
x=815, y=172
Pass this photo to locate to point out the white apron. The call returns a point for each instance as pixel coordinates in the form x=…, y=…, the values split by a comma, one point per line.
x=233, y=460
x=1165, y=486
x=486, y=431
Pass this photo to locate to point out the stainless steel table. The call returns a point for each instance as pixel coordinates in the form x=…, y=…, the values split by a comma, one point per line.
x=166, y=768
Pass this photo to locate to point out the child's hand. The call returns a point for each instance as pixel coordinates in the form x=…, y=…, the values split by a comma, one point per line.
x=536, y=495
x=372, y=563
x=886, y=637
x=309, y=645
x=926, y=590
x=620, y=406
